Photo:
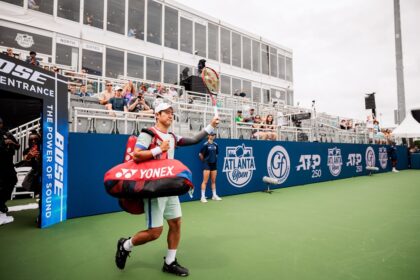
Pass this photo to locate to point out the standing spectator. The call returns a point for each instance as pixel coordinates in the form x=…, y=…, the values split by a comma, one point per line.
x=392, y=154
x=239, y=117
x=208, y=155
x=83, y=92
x=32, y=59
x=106, y=95
x=139, y=105
x=118, y=102
x=8, y=178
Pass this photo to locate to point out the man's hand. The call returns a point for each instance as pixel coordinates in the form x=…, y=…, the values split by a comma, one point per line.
x=8, y=141
x=214, y=122
x=164, y=146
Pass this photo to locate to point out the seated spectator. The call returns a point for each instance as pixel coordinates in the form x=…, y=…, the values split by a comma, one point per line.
x=105, y=95
x=172, y=92
x=239, y=117
x=83, y=92
x=118, y=102
x=343, y=124
x=250, y=117
x=10, y=52
x=151, y=89
x=257, y=126
x=128, y=92
x=139, y=105
x=46, y=67
x=32, y=59
x=270, y=128
x=71, y=89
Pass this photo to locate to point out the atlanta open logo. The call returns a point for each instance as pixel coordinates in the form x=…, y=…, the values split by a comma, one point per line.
x=335, y=161
x=383, y=157
x=370, y=157
x=239, y=165
x=278, y=164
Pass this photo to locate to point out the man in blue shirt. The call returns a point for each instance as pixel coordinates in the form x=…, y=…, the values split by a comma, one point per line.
x=118, y=103
x=208, y=154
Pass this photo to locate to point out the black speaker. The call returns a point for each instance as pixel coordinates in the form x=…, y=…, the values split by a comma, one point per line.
x=194, y=83
x=370, y=102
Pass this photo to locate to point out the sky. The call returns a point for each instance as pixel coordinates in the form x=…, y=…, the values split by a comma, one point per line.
x=341, y=49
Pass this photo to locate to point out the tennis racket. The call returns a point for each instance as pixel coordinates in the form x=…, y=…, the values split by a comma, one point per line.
x=211, y=81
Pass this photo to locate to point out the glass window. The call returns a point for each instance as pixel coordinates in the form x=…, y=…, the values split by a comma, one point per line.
x=290, y=97
x=170, y=73
x=116, y=16
x=283, y=95
x=14, y=2
x=135, y=66
x=289, y=69
x=236, y=49
x=282, y=67
x=153, y=69
x=43, y=6
x=154, y=22
x=247, y=88
x=94, y=13
x=256, y=57
x=213, y=39
x=273, y=62
x=136, y=19
x=264, y=59
x=171, y=28
x=114, y=63
x=25, y=40
x=236, y=85
x=69, y=9
x=246, y=53
x=92, y=62
x=256, y=94
x=200, y=39
x=186, y=35
x=64, y=53
x=225, y=85
x=266, y=96
x=185, y=72
x=225, y=45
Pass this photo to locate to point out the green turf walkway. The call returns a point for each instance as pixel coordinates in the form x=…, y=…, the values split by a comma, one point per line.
x=358, y=228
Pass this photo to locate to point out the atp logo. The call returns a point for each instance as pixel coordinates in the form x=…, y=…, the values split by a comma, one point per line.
x=278, y=164
x=356, y=161
x=370, y=157
x=335, y=161
x=127, y=173
x=239, y=165
x=383, y=157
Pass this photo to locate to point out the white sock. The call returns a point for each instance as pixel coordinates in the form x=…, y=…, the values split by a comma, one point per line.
x=214, y=193
x=203, y=193
x=170, y=256
x=128, y=245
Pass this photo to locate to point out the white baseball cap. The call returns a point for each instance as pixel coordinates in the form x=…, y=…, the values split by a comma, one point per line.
x=118, y=88
x=162, y=107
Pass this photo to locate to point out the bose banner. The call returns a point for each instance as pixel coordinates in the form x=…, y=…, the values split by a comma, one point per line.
x=19, y=77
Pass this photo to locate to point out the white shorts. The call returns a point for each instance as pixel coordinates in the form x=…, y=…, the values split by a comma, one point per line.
x=156, y=209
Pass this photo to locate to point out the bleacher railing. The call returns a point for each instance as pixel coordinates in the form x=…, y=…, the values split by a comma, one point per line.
x=21, y=133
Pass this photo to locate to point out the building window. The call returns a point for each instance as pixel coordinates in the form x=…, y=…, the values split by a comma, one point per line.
x=246, y=53
x=43, y=6
x=153, y=69
x=265, y=59
x=247, y=88
x=236, y=49
x=225, y=85
x=225, y=45
x=65, y=55
x=135, y=66
x=18, y=39
x=92, y=62
x=69, y=9
x=14, y=2
x=200, y=39
x=213, y=39
x=289, y=69
x=114, y=63
x=236, y=85
x=154, y=22
x=266, y=96
x=170, y=73
x=171, y=28
x=273, y=62
x=94, y=13
x=256, y=94
x=136, y=19
x=116, y=16
x=282, y=67
x=256, y=57
x=186, y=35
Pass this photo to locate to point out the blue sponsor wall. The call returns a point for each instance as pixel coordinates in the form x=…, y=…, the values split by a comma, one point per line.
x=241, y=166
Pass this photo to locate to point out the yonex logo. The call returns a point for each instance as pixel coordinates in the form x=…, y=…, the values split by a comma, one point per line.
x=127, y=173
x=278, y=164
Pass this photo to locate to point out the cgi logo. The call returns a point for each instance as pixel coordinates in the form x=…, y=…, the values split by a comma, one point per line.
x=308, y=162
x=355, y=160
x=383, y=157
x=278, y=163
x=370, y=157
x=239, y=165
x=335, y=161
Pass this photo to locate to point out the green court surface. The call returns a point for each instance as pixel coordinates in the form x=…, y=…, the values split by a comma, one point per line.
x=357, y=228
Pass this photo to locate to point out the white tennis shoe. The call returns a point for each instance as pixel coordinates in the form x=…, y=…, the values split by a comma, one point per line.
x=216, y=197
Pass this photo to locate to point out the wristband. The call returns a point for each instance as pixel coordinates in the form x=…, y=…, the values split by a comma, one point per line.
x=209, y=129
x=156, y=151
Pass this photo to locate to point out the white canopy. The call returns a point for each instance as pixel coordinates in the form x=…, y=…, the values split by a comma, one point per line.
x=409, y=128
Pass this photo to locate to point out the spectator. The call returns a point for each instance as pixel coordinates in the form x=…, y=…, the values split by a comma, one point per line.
x=151, y=89
x=10, y=52
x=239, y=117
x=46, y=67
x=106, y=95
x=172, y=93
x=257, y=127
x=71, y=89
x=128, y=92
x=139, y=105
x=208, y=155
x=250, y=117
x=392, y=154
x=132, y=32
x=32, y=59
x=118, y=102
x=83, y=92
x=8, y=179
x=270, y=128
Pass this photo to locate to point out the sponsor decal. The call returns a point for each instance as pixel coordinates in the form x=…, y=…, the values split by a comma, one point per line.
x=370, y=157
x=278, y=164
x=335, y=161
x=383, y=157
x=24, y=40
x=312, y=163
x=239, y=165
x=355, y=160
